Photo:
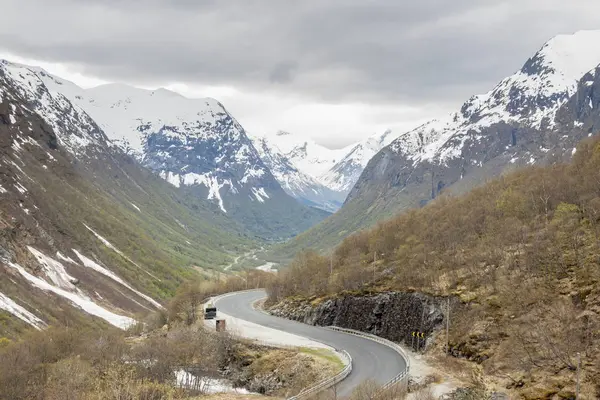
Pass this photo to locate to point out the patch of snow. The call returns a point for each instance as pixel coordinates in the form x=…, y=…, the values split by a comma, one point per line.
x=54, y=270
x=10, y=306
x=20, y=188
x=119, y=252
x=574, y=150
x=170, y=177
x=20, y=170
x=136, y=207
x=98, y=268
x=268, y=267
x=211, y=182
x=65, y=258
x=206, y=385
x=260, y=194
x=77, y=298
x=2, y=190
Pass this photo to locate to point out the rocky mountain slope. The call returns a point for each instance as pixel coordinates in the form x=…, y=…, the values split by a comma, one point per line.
x=88, y=236
x=302, y=186
x=194, y=144
x=535, y=116
x=315, y=174
x=345, y=172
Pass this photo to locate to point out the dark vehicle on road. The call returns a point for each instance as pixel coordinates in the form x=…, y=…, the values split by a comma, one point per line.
x=210, y=312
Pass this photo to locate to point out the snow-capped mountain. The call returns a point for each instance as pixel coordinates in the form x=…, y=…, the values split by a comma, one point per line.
x=187, y=142
x=311, y=172
x=513, y=124
x=193, y=144
x=536, y=115
x=296, y=183
x=304, y=153
x=345, y=172
x=529, y=98
x=197, y=143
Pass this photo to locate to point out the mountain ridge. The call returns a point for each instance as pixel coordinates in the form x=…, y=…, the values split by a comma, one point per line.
x=195, y=145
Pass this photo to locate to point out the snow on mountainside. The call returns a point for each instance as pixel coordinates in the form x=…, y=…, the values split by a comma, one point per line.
x=194, y=144
x=88, y=234
x=344, y=174
x=530, y=97
x=314, y=172
x=75, y=130
x=517, y=123
x=308, y=156
x=186, y=141
x=156, y=125
x=296, y=183
x=38, y=130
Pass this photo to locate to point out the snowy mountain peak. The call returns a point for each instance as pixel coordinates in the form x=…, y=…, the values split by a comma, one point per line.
x=345, y=172
x=307, y=155
x=74, y=128
x=529, y=97
x=568, y=56
x=187, y=142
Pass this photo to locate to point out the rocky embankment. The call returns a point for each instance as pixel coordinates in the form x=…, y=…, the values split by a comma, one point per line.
x=392, y=315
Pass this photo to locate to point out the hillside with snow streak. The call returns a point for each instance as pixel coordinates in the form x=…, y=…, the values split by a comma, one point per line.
x=89, y=236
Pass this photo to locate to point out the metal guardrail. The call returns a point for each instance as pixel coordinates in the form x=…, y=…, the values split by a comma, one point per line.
x=319, y=387
x=403, y=374
x=327, y=383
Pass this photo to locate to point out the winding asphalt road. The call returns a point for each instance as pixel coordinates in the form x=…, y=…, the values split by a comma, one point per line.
x=370, y=360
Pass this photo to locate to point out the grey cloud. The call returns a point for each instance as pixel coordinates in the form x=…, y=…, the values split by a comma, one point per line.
x=283, y=72
x=380, y=51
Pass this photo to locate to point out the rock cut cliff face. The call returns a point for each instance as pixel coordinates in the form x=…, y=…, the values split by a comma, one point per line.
x=392, y=315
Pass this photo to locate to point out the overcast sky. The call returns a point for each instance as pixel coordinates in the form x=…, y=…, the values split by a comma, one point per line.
x=334, y=70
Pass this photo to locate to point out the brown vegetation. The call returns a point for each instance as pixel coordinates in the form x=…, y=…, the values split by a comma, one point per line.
x=87, y=364
x=140, y=364
x=523, y=255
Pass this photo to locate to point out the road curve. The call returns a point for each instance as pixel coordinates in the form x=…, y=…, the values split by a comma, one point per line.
x=370, y=360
